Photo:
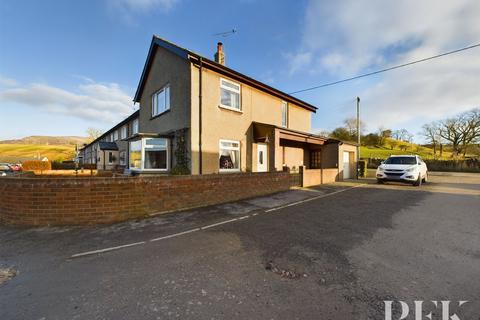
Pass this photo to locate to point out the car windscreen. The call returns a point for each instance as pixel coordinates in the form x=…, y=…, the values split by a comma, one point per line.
x=401, y=160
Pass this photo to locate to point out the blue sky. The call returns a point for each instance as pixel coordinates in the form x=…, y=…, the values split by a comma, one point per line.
x=69, y=65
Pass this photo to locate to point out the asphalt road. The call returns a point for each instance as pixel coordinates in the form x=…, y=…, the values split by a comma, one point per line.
x=336, y=252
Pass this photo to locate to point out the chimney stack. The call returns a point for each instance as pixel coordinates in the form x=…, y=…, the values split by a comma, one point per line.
x=219, y=55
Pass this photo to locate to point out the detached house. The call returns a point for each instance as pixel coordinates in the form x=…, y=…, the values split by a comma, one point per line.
x=216, y=118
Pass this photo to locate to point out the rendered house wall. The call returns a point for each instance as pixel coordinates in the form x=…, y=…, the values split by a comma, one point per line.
x=220, y=123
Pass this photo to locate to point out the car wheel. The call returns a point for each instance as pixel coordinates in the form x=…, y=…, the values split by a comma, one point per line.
x=380, y=181
x=418, y=183
x=425, y=179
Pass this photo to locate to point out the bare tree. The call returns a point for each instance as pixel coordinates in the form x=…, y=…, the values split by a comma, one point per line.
x=431, y=132
x=396, y=134
x=402, y=135
x=383, y=134
x=461, y=131
x=470, y=129
x=392, y=143
x=450, y=130
x=93, y=133
x=351, y=125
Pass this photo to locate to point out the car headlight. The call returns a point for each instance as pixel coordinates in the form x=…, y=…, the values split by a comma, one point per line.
x=381, y=168
x=411, y=169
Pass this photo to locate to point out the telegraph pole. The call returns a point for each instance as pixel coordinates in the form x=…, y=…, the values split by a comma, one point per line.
x=358, y=133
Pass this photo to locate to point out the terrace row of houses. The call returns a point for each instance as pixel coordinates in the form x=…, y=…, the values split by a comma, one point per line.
x=198, y=114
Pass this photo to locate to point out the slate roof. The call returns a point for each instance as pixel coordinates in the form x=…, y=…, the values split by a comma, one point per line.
x=104, y=145
x=207, y=63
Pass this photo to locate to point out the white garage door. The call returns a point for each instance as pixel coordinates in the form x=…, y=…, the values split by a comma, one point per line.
x=346, y=165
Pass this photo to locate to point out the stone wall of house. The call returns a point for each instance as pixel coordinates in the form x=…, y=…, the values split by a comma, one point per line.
x=97, y=200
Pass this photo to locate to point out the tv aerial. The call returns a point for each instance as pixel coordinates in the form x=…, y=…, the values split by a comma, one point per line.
x=226, y=33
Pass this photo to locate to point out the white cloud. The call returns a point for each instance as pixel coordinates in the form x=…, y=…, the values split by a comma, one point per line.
x=126, y=9
x=98, y=102
x=299, y=61
x=7, y=82
x=144, y=5
x=344, y=38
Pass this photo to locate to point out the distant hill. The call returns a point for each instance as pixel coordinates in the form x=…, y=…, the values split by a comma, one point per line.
x=48, y=140
x=37, y=147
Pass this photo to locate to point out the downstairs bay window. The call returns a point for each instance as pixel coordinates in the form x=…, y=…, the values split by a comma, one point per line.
x=149, y=154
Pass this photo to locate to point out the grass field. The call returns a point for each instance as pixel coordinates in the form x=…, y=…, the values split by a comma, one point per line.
x=385, y=152
x=20, y=152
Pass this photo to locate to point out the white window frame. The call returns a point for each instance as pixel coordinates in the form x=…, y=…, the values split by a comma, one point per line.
x=155, y=111
x=284, y=114
x=142, y=152
x=123, y=161
x=123, y=132
x=135, y=125
x=233, y=90
x=230, y=148
x=110, y=153
x=115, y=135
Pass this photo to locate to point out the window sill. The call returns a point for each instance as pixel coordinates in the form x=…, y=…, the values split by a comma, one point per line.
x=149, y=170
x=160, y=114
x=229, y=170
x=230, y=109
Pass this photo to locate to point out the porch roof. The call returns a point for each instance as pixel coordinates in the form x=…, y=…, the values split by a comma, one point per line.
x=261, y=131
x=140, y=135
x=104, y=145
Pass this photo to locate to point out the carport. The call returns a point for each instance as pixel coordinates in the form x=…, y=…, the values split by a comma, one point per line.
x=317, y=158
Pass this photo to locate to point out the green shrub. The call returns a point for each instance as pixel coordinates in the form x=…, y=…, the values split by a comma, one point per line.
x=181, y=154
x=36, y=165
x=362, y=168
x=180, y=170
x=63, y=165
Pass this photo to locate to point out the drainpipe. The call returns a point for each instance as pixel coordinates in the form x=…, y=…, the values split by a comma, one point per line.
x=200, y=117
x=104, y=167
x=171, y=154
x=321, y=166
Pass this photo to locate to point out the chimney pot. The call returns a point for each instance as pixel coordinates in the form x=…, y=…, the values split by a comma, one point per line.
x=219, y=55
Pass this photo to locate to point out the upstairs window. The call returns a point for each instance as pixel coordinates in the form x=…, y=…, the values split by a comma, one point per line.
x=135, y=126
x=284, y=114
x=161, y=101
x=230, y=95
x=123, y=132
x=115, y=135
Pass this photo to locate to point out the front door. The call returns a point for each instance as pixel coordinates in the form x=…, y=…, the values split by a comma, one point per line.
x=262, y=158
x=346, y=165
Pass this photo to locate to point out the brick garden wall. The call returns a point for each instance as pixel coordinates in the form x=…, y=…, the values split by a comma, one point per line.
x=96, y=200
